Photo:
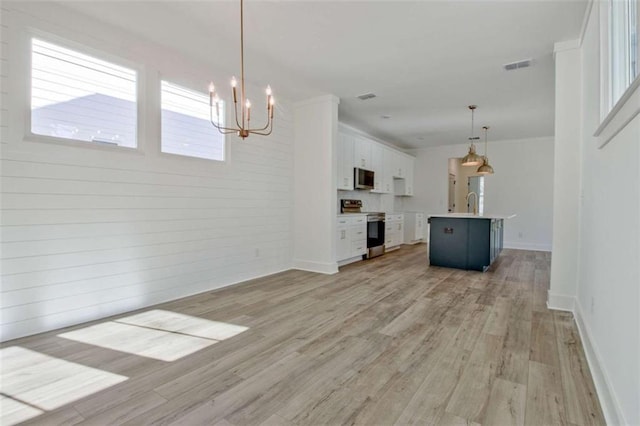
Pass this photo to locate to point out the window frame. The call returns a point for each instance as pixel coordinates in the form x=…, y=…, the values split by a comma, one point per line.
x=619, y=51
x=98, y=53
x=181, y=84
x=614, y=116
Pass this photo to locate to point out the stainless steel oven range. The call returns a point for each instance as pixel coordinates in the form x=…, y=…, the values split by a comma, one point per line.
x=375, y=226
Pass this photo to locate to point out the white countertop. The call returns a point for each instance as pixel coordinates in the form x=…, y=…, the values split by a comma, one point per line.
x=351, y=214
x=472, y=216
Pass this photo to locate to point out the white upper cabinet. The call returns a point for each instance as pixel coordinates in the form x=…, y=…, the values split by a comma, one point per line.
x=393, y=170
x=399, y=166
x=409, y=179
x=388, y=159
x=377, y=162
x=403, y=185
x=345, y=162
x=362, y=153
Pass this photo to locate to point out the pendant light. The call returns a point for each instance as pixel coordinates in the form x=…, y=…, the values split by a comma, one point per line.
x=243, y=120
x=472, y=159
x=486, y=168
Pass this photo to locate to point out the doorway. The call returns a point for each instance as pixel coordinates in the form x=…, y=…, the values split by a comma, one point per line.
x=452, y=193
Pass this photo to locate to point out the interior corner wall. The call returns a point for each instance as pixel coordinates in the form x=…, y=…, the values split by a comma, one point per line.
x=566, y=183
x=524, y=189
x=315, y=196
x=608, y=291
x=88, y=232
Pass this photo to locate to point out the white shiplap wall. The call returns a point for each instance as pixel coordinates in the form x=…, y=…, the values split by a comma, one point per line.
x=89, y=232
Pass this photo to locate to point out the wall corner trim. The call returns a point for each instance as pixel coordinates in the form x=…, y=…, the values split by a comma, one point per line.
x=561, y=302
x=612, y=411
x=561, y=46
x=318, y=267
x=585, y=20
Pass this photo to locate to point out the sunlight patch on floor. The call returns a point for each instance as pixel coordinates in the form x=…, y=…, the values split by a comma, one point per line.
x=183, y=324
x=157, y=334
x=32, y=381
x=13, y=412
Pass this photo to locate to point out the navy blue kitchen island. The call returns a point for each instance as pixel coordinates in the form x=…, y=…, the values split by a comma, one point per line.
x=465, y=241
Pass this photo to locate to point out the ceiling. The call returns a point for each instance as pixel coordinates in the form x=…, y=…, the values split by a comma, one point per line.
x=425, y=60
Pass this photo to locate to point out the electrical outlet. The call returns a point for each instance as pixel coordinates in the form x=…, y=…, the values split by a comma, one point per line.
x=257, y=252
x=520, y=235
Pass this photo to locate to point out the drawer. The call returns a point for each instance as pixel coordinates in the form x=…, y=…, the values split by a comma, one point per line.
x=358, y=220
x=343, y=221
x=358, y=233
x=358, y=247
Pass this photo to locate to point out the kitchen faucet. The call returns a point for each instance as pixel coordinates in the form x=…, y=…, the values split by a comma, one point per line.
x=475, y=204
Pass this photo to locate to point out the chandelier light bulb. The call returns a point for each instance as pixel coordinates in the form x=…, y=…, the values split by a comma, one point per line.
x=234, y=82
x=211, y=87
x=268, y=90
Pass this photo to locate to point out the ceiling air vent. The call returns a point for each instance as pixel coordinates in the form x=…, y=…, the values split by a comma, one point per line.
x=517, y=65
x=366, y=96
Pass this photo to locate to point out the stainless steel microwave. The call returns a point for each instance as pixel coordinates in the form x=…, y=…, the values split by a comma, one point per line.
x=363, y=179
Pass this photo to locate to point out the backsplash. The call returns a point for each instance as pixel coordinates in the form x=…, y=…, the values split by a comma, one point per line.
x=372, y=202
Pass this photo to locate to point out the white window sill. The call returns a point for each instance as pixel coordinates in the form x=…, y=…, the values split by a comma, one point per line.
x=627, y=108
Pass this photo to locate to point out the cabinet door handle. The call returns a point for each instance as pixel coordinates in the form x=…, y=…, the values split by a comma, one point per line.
x=449, y=230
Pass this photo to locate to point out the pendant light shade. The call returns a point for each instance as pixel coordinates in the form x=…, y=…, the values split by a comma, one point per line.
x=486, y=168
x=472, y=159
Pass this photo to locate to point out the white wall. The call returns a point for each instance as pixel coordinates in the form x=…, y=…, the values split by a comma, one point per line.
x=566, y=185
x=90, y=232
x=521, y=187
x=316, y=134
x=607, y=286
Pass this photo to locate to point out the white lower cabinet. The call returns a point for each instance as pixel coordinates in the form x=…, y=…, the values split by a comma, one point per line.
x=393, y=231
x=351, y=236
x=414, y=227
x=343, y=244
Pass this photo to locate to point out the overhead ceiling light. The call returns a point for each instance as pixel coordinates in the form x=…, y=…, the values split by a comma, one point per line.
x=385, y=117
x=243, y=123
x=472, y=159
x=486, y=168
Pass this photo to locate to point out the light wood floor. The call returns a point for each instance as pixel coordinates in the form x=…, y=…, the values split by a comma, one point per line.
x=385, y=341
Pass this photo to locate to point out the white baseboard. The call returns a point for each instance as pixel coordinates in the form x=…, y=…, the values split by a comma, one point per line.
x=610, y=404
x=611, y=408
x=350, y=260
x=561, y=302
x=519, y=245
x=319, y=267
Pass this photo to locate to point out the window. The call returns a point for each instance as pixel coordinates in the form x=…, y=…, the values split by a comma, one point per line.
x=623, y=46
x=186, y=129
x=80, y=97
